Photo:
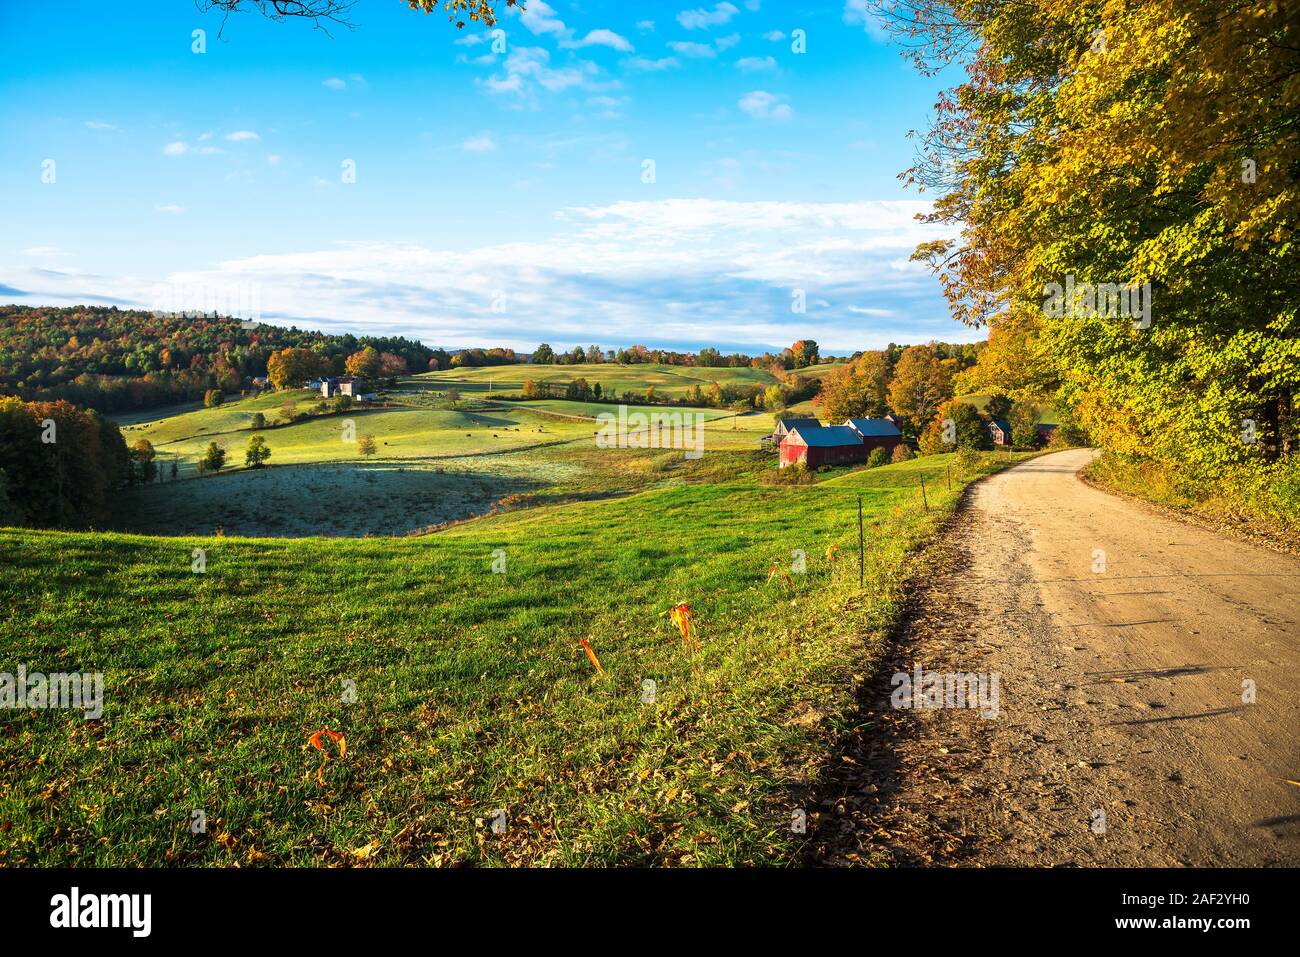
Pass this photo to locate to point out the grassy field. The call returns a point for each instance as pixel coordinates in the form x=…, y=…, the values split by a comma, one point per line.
x=674, y=381
x=471, y=691
x=432, y=465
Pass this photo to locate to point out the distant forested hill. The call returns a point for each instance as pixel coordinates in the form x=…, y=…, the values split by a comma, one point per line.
x=117, y=359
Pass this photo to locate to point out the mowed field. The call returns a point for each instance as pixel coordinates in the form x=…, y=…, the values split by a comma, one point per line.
x=673, y=381
x=432, y=464
x=460, y=691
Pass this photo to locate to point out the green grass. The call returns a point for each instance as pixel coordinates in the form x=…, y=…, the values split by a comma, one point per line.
x=667, y=380
x=472, y=691
x=411, y=432
x=432, y=465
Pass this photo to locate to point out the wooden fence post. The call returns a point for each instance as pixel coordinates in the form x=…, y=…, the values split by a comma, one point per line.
x=861, y=550
x=923, y=498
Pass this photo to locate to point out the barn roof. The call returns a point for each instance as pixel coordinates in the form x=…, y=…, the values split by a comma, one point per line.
x=882, y=428
x=791, y=424
x=828, y=436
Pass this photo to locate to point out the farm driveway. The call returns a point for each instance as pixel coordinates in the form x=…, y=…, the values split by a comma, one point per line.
x=1121, y=694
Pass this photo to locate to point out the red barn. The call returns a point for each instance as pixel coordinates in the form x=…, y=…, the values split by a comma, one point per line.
x=829, y=445
x=876, y=433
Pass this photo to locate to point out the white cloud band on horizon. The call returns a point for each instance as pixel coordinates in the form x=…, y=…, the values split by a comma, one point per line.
x=685, y=271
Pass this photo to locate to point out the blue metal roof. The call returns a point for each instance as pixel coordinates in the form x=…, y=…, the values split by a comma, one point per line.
x=792, y=424
x=874, y=427
x=828, y=436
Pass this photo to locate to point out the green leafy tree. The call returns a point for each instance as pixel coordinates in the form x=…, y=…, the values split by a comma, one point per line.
x=143, y=467
x=1184, y=200
x=213, y=398
x=956, y=425
x=257, y=453
x=214, y=458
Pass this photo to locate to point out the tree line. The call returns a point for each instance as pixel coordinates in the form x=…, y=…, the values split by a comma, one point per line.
x=1123, y=181
x=124, y=359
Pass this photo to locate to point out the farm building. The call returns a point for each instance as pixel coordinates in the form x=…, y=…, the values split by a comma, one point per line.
x=823, y=445
x=1000, y=429
x=876, y=433
x=344, y=385
x=786, y=426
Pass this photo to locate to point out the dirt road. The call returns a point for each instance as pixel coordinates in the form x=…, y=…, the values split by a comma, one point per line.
x=1126, y=646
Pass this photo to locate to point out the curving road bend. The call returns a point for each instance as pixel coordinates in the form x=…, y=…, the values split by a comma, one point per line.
x=1126, y=644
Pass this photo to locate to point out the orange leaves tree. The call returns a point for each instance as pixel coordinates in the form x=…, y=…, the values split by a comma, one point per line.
x=289, y=368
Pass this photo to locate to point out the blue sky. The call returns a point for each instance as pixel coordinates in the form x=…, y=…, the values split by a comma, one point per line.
x=674, y=174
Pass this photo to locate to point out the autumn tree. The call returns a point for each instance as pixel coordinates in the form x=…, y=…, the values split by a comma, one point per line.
x=60, y=462
x=955, y=425
x=921, y=382
x=1150, y=145
x=324, y=14
x=290, y=368
x=858, y=389
x=364, y=364
x=391, y=366
x=805, y=353
x=366, y=445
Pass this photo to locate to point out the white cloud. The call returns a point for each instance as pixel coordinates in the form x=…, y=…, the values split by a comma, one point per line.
x=171, y=208
x=763, y=105
x=645, y=26
x=42, y=252
x=240, y=136
x=540, y=19
x=675, y=270
x=273, y=159
x=607, y=107
x=96, y=125
x=176, y=149
x=702, y=19
x=755, y=64
x=526, y=65
x=601, y=38
x=774, y=35
x=653, y=66
x=858, y=13
x=479, y=144
x=695, y=51
x=727, y=42
x=335, y=83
